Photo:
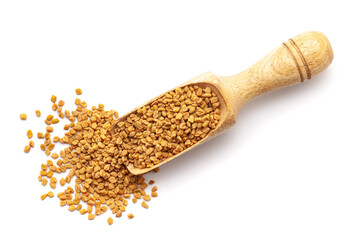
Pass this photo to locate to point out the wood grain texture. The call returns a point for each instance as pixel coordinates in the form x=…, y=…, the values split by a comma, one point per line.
x=293, y=62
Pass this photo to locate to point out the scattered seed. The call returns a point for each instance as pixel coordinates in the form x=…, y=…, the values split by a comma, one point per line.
x=144, y=204
x=53, y=98
x=130, y=216
x=27, y=149
x=38, y=113
x=23, y=116
x=29, y=134
x=110, y=221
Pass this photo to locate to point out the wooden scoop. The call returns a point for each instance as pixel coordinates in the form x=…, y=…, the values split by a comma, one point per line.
x=294, y=61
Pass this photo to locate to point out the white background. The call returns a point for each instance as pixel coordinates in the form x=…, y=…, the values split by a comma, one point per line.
x=289, y=169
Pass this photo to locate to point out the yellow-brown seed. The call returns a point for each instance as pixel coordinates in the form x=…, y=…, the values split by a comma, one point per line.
x=154, y=189
x=49, y=117
x=91, y=216
x=72, y=208
x=110, y=221
x=144, y=204
x=154, y=194
x=130, y=216
x=27, y=148
x=29, y=134
x=54, y=155
x=61, y=103
x=53, y=98
x=23, y=116
x=50, y=194
x=49, y=129
x=55, y=120
x=54, y=107
x=62, y=181
x=147, y=197
x=31, y=143
x=40, y=135
x=38, y=113
x=78, y=91
x=83, y=211
x=43, y=196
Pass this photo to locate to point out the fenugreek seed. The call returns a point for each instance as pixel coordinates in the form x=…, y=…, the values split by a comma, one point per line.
x=83, y=211
x=78, y=91
x=118, y=214
x=52, y=185
x=44, y=182
x=61, y=103
x=154, y=189
x=23, y=116
x=43, y=196
x=49, y=129
x=31, y=143
x=147, y=197
x=72, y=208
x=50, y=194
x=38, y=113
x=134, y=200
x=49, y=117
x=110, y=221
x=54, y=107
x=130, y=216
x=47, y=122
x=77, y=101
x=144, y=204
x=42, y=147
x=78, y=208
x=29, y=134
x=27, y=148
x=53, y=98
x=62, y=203
x=151, y=182
x=91, y=216
x=40, y=135
x=154, y=194
x=56, y=139
x=54, y=155
x=55, y=120
x=62, y=181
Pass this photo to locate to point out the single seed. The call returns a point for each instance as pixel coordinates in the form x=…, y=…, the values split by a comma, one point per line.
x=31, y=143
x=53, y=98
x=29, y=134
x=23, y=116
x=72, y=208
x=154, y=189
x=49, y=117
x=147, y=197
x=144, y=204
x=91, y=216
x=78, y=91
x=27, y=149
x=54, y=155
x=110, y=221
x=61, y=103
x=38, y=113
x=130, y=216
x=43, y=196
x=83, y=211
x=154, y=194
x=40, y=135
x=55, y=120
x=50, y=194
x=49, y=129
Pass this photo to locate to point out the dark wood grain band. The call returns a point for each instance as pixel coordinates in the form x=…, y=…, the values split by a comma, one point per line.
x=308, y=73
x=296, y=63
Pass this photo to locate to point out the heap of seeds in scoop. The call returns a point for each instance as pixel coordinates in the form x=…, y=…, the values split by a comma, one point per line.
x=167, y=126
x=102, y=181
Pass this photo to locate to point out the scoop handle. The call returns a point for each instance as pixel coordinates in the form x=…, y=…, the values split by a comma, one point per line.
x=294, y=61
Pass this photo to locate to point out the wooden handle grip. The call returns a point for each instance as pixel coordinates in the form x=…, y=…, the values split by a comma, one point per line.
x=294, y=61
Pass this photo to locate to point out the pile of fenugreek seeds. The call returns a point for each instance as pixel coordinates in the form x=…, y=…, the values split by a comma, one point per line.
x=98, y=160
